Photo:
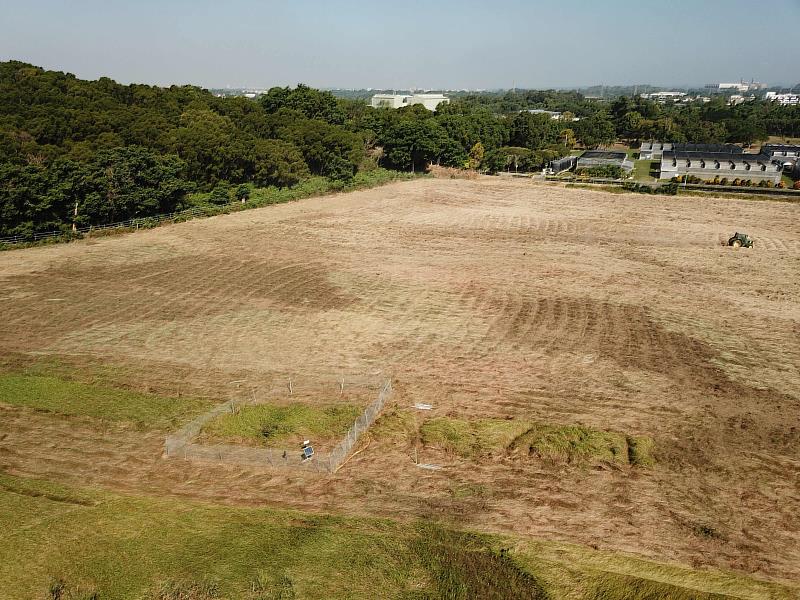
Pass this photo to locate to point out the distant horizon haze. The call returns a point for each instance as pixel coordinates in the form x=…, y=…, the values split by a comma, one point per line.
x=444, y=45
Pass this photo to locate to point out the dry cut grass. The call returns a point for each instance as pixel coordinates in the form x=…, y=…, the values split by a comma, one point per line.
x=489, y=299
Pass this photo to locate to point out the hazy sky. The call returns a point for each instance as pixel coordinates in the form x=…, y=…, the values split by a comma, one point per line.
x=405, y=43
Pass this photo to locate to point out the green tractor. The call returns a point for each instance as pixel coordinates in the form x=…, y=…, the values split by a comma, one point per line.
x=740, y=240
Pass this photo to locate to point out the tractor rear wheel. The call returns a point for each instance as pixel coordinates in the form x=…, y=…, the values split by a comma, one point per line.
x=737, y=243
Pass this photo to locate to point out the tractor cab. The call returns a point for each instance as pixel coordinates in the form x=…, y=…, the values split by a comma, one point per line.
x=740, y=240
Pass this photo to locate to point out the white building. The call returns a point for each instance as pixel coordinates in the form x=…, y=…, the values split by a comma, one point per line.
x=429, y=101
x=709, y=164
x=742, y=86
x=664, y=96
x=540, y=111
x=789, y=99
x=736, y=99
x=389, y=101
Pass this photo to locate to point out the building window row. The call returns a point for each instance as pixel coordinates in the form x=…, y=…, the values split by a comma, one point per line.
x=747, y=166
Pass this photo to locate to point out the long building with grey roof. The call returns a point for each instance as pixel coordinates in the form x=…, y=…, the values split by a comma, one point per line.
x=721, y=164
x=655, y=150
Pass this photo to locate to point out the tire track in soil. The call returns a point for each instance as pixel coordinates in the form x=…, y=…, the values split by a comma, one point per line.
x=625, y=334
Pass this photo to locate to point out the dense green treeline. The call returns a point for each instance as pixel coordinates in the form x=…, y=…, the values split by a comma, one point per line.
x=77, y=153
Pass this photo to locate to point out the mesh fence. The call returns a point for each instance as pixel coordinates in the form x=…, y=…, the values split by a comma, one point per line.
x=362, y=423
x=181, y=443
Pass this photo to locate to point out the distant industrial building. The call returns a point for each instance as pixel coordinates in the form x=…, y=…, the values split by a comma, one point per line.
x=742, y=86
x=789, y=99
x=540, y=111
x=389, y=101
x=555, y=115
x=429, y=101
x=602, y=158
x=655, y=150
x=719, y=161
x=663, y=97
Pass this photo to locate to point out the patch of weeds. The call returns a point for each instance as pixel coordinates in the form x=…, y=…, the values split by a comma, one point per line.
x=471, y=439
x=640, y=451
x=269, y=424
x=464, y=566
x=185, y=590
x=394, y=424
x=56, y=395
x=60, y=590
x=706, y=531
x=560, y=443
x=573, y=443
x=264, y=588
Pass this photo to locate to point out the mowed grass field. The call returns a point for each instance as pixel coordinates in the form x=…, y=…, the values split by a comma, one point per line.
x=611, y=398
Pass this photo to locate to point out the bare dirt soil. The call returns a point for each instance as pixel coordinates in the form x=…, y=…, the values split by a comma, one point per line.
x=485, y=298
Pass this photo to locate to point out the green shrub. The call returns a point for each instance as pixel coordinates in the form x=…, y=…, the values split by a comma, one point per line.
x=221, y=194
x=243, y=192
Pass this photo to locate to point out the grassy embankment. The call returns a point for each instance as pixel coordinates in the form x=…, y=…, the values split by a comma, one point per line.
x=81, y=542
x=574, y=444
x=74, y=398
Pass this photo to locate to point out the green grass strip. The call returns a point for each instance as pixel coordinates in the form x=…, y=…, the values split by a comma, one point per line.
x=73, y=398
